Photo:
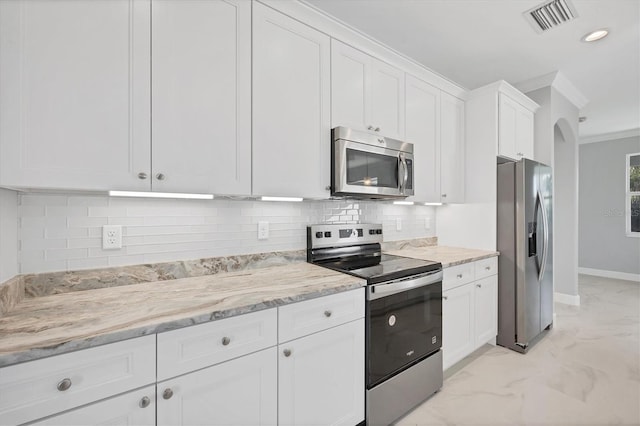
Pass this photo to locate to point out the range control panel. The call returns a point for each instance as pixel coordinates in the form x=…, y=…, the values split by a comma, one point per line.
x=319, y=236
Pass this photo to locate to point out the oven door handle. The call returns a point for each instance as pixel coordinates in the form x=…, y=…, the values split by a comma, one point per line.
x=377, y=291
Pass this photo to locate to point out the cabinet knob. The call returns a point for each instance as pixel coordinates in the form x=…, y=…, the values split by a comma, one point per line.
x=287, y=352
x=479, y=285
x=160, y=176
x=64, y=384
x=487, y=268
x=142, y=175
x=167, y=394
x=445, y=298
x=444, y=195
x=459, y=275
x=144, y=402
x=369, y=127
x=226, y=340
x=377, y=129
x=327, y=313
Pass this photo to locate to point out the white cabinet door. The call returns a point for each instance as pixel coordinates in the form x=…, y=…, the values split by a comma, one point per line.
x=75, y=80
x=507, y=131
x=366, y=94
x=422, y=127
x=457, y=324
x=238, y=392
x=387, y=99
x=321, y=377
x=486, y=312
x=452, y=155
x=524, y=128
x=350, y=87
x=201, y=96
x=291, y=107
x=132, y=408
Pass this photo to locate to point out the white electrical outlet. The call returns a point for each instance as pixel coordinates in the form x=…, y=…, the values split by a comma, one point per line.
x=427, y=223
x=263, y=230
x=399, y=224
x=111, y=237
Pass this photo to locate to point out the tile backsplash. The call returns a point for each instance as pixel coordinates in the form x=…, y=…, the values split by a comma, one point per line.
x=64, y=232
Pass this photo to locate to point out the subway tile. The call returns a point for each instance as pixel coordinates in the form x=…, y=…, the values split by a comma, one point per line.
x=27, y=266
x=89, y=263
x=126, y=221
x=105, y=211
x=31, y=210
x=74, y=211
x=62, y=254
x=84, y=242
x=87, y=222
x=42, y=200
x=126, y=260
x=79, y=200
x=42, y=244
x=169, y=221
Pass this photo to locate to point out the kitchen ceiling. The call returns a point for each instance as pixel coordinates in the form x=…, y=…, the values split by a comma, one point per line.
x=476, y=42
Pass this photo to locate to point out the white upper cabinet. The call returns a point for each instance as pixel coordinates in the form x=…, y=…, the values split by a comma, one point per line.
x=515, y=134
x=201, y=96
x=366, y=94
x=452, y=148
x=75, y=80
x=422, y=127
x=291, y=107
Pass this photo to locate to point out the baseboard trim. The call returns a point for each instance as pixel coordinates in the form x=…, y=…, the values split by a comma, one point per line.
x=567, y=299
x=610, y=274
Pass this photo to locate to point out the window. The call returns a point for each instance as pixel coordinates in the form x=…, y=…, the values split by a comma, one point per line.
x=633, y=195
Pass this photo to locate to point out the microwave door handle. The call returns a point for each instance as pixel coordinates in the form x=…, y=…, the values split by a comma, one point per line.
x=405, y=177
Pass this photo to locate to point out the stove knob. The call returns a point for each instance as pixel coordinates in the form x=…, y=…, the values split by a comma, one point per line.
x=327, y=234
x=318, y=234
x=378, y=231
x=372, y=232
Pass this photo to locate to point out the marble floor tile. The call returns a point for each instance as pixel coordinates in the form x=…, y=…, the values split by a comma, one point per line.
x=585, y=371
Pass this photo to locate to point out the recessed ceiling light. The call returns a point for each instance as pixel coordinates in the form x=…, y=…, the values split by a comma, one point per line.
x=596, y=35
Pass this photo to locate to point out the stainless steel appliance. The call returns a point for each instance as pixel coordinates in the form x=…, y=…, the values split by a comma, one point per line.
x=525, y=275
x=364, y=165
x=403, y=316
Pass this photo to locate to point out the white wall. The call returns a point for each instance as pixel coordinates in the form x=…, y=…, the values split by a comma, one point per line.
x=603, y=244
x=8, y=234
x=63, y=232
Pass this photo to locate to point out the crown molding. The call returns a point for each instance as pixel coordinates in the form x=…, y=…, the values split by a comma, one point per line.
x=610, y=136
x=558, y=81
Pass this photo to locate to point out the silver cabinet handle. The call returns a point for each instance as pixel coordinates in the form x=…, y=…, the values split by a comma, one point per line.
x=369, y=127
x=64, y=384
x=445, y=297
x=142, y=175
x=160, y=176
x=226, y=340
x=444, y=195
x=377, y=129
x=144, y=402
x=479, y=285
x=167, y=394
x=327, y=313
x=287, y=352
x=459, y=275
x=487, y=268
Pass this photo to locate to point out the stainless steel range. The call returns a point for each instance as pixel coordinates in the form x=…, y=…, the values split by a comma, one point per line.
x=403, y=316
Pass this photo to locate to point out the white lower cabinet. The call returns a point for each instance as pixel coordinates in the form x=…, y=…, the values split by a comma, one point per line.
x=242, y=391
x=469, y=308
x=321, y=377
x=132, y=408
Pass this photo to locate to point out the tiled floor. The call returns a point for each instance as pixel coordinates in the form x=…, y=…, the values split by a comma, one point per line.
x=586, y=371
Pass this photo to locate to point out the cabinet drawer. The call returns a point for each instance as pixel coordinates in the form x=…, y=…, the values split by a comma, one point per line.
x=303, y=318
x=458, y=275
x=43, y=387
x=486, y=267
x=191, y=348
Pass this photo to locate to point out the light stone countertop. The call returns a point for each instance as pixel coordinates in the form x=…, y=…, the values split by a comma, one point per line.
x=50, y=325
x=448, y=256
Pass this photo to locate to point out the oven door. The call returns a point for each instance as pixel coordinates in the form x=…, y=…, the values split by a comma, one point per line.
x=404, y=324
x=378, y=171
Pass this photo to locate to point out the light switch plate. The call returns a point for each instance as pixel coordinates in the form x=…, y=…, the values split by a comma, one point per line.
x=263, y=230
x=111, y=237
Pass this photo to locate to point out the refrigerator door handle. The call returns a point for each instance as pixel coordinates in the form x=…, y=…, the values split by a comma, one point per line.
x=545, y=237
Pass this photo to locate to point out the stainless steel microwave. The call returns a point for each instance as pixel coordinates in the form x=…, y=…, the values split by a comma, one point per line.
x=365, y=165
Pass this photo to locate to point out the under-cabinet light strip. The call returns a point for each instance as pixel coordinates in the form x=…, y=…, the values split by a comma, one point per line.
x=295, y=199
x=160, y=195
x=403, y=203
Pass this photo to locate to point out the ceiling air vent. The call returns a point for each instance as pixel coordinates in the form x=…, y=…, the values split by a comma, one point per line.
x=551, y=14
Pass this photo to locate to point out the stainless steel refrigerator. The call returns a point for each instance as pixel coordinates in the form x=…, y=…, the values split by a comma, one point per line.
x=525, y=243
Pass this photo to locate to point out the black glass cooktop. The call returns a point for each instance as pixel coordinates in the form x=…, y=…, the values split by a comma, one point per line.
x=383, y=268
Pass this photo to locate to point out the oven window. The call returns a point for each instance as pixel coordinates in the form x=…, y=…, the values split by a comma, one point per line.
x=369, y=169
x=403, y=328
